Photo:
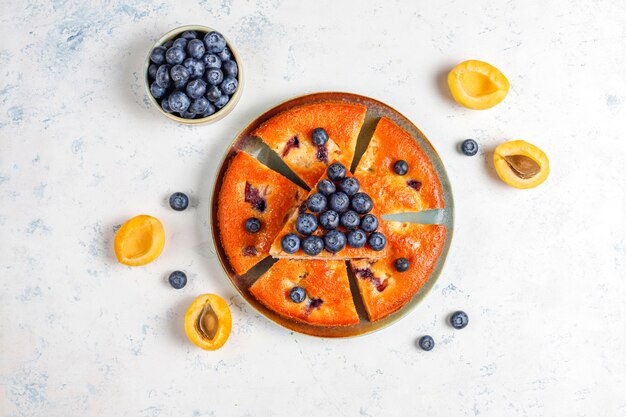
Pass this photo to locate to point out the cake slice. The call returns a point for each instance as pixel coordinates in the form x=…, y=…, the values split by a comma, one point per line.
x=384, y=290
x=414, y=187
x=373, y=242
x=289, y=134
x=314, y=292
x=250, y=190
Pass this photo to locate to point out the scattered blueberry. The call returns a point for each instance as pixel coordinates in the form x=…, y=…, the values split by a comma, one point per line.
x=402, y=264
x=229, y=67
x=189, y=34
x=212, y=61
x=213, y=93
x=253, y=225
x=199, y=105
x=180, y=43
x=426, y=343
x=459, y=319
x=165, y=105
x=179, y=101
x=350, y=220
x=362, y=203
x=157, y=91
x=329, y=219
x=297, y=294
x=180, y=74
x=152, y=70
x=339, y=201
x=195, y=67
x=349, y=185
x=312, y=245
x=306, y=223
x=157, y=55
x=214, y=42
x=290, y=243
x=209, y=110
x=357, y=238
x=229, y=85
x=334, y=241
x=214, y=76
x=174, y=56
x=316, y=202
x=377, y=241
x=326, y=187
x=225, y=55
x=369, y=223
x=195, y=48
x=196, y=89
x=336, y=171
x=319, y=136
x=163, y=76
x=221, y=102
x=469, y=147
x=179, y=201
x=178, y=279
x=401, y=167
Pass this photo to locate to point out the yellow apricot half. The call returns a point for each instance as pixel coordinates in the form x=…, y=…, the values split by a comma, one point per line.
x=208, y=322
x=521, y=164
x=139, y=241
x=477, y=85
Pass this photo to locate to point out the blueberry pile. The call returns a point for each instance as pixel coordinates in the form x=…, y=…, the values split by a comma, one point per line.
x=341, y=212
x=193, y=76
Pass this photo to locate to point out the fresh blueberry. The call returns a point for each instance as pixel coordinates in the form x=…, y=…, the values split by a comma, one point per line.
x=401, y=167
x=312, y=245
x=349, y=185
x=214, y=76
x=157, y=55
x=229, y=67
x=469, y=147
x=319, y=136
x=369, y=223
x=163, y=76
x=329, y=219
x=195, y=67
x=290, y=243
x=195, y=48
x=253, y=225
x=334, y=241
x=213, y=93
x=180, y=43
x=165, y=105
x=195, y=89
x=459, y=319
x=189, y=34
x=209, y=110
x=212, y=61
x=229, y=85
x=179, y=101
x=152, y=70
x=221, y=102
x=180, y=74
x=362, y=203
x=168, y=44
x=377, y=241
x=199, y=105
x=402, y=264
x=157, y=91
x=357, y=238
x=179, y=201
x=339, y=202
x=350, y=220
x=297, y=295
x=426, y=343
x=316, y=202
x=225, y=55
x=326, y=187
x=175, y=55
x=178, y=279
x=336, y=171
x=188, y=115
x=306, y=223
x=215, y=42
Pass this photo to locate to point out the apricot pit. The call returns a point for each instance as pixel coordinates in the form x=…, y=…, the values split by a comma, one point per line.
x=521, y=164
x=208, y=322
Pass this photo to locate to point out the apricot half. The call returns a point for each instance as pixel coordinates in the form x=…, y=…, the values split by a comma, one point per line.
x=208, y=322
x=139, y=241
x=477, y=85
x=521, y=164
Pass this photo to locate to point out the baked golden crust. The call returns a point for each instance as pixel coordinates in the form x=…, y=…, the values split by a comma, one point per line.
x=277, y=197
x=328, y=302
x=418, y=190
x=383, y=289
x=289, y=135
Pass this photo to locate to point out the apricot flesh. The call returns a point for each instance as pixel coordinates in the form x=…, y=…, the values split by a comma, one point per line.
x=208, y=322
x=139, y=241
x=521, y=164
x=477, y=84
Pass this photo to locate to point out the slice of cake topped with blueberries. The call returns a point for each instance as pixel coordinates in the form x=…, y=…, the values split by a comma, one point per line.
x=387, y=284
x=253, y=204
x=338, y=220
x=309, y=137
x=314, y=292
x=396, y=169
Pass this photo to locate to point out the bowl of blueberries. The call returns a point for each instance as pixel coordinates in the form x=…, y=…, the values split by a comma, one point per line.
x=194, y=75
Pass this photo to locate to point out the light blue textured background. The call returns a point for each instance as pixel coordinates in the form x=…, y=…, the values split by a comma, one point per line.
x=542, y=272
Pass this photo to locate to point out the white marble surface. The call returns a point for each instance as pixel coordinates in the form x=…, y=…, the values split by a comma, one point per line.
x=542, y=272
